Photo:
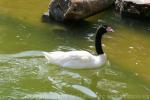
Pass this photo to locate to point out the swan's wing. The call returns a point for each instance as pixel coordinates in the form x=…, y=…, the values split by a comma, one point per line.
x=74, y=59
x=78, y=59
x=79, y=55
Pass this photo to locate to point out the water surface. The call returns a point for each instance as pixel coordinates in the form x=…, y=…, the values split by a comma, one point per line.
x=25, y=73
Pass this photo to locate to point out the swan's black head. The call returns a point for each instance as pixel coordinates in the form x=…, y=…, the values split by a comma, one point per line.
x=104, y=29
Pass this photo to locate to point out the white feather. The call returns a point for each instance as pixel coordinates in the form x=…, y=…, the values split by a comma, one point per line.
x=75, y=59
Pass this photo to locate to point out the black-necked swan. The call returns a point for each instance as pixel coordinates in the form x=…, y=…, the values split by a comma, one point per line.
x=81, y=59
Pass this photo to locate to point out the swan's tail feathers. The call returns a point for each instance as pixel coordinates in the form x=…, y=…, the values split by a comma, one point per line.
x=47, y=56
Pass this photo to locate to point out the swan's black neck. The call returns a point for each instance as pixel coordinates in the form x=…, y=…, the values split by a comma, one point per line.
x=98, y=44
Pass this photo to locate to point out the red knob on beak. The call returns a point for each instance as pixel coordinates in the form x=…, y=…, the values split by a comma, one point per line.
x=109, y=29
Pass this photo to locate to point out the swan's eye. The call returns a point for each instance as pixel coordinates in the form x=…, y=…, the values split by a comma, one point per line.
x=104, y=26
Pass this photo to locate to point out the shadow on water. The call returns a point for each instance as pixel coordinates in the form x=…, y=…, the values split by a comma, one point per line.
x=72, y=27
x=137, y=24
x=114, y=19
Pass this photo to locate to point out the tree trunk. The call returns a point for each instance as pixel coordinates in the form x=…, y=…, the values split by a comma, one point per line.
x=134, y=8
x=62, y=10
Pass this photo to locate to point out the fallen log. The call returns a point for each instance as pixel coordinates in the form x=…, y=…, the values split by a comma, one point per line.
x=62, y=10
x=134, y=8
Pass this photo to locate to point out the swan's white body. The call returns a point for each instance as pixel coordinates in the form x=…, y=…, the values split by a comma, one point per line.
x=81, y=59
x=75, y=59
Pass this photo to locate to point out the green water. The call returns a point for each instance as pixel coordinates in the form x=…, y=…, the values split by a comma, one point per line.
x=25, y=74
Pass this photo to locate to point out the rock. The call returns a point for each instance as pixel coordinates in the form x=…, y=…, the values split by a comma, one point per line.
x=45, y=17
x=134, y=8
x=62, y=10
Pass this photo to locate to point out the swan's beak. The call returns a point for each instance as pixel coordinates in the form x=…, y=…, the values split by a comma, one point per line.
x=109, y=29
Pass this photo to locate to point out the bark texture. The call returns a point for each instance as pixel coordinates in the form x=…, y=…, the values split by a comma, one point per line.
x=62, y=10
x=134, y=8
